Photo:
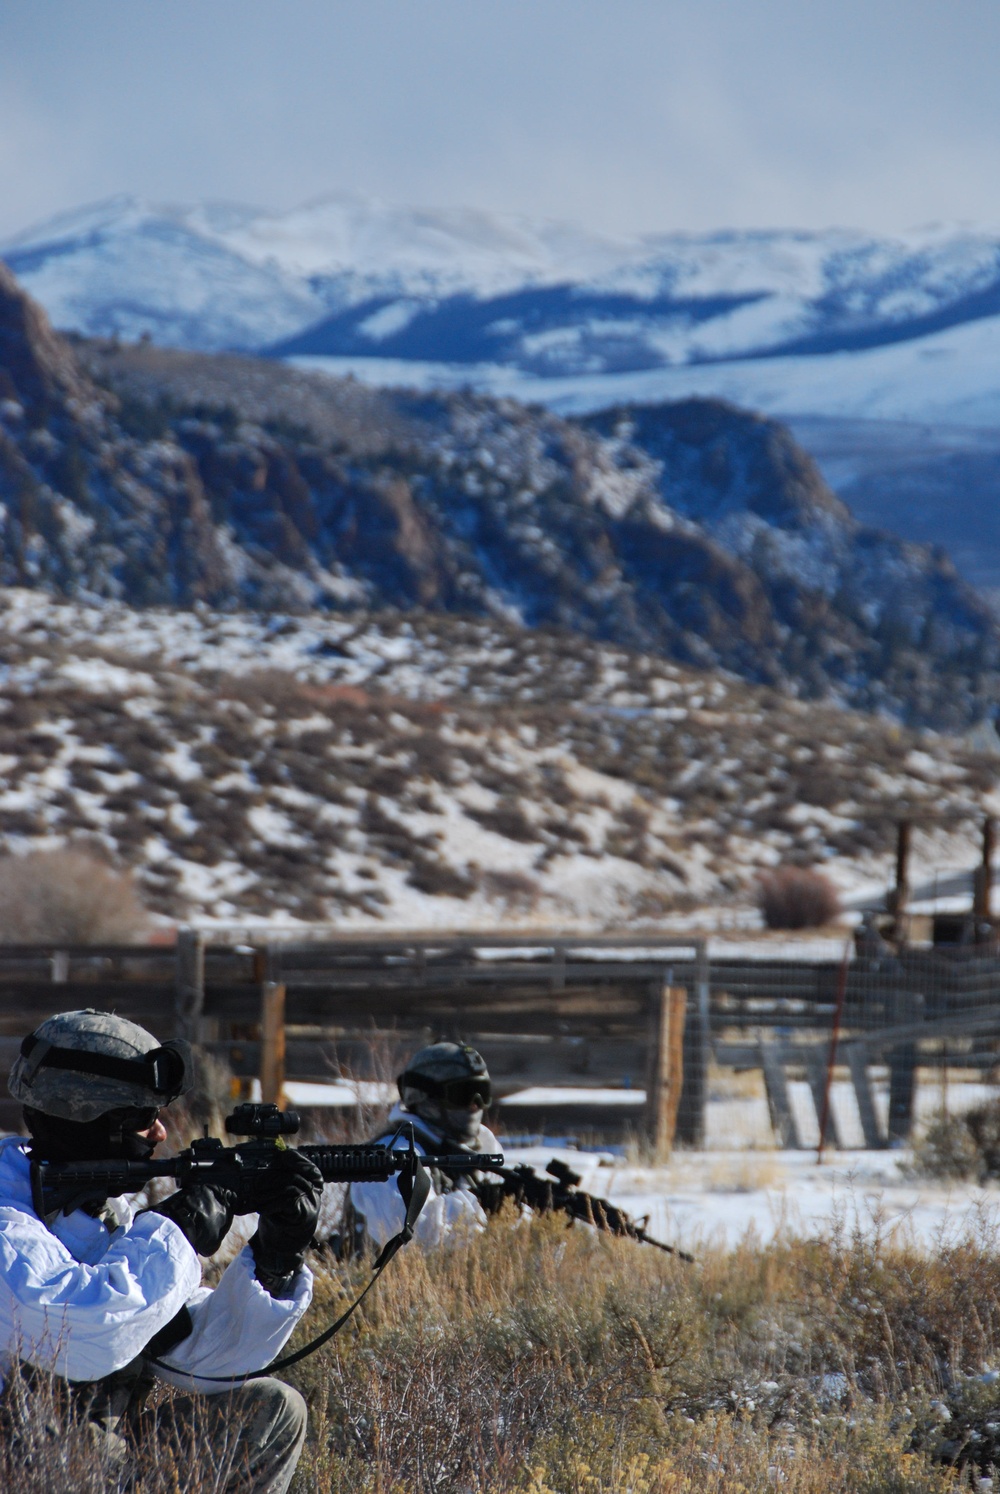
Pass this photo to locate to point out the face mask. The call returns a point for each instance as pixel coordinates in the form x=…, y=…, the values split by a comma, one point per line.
x=111, y=1136
x=463, y=1125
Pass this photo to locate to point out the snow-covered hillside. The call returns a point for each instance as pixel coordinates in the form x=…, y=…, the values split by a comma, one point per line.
x=946, y=378
x=425, y=770
x=836, y=323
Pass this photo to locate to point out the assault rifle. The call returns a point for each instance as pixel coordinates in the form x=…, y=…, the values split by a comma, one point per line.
x=561, y=1191
x=68, y=1185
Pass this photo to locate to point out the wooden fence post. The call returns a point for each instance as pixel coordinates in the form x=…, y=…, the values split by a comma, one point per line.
x=899, y=897
x=666, y=1069
x=857, y=1059
x=189, y=984
x=697, y=1057
x=783, y=1122
x=272, y=1042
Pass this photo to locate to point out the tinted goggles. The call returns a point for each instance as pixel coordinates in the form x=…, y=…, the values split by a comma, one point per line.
x=459, y=1094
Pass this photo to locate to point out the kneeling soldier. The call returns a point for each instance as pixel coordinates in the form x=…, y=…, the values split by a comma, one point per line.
x=90, y=1296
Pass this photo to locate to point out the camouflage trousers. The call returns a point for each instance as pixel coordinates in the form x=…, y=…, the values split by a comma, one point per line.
x=252, y=1437
x=245, y=1441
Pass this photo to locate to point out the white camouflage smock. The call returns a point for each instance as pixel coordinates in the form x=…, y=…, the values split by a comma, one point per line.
x=84, y=1302
x=443, y=1214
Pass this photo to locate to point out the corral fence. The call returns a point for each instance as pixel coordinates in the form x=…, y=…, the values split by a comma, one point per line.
x=601, y=1036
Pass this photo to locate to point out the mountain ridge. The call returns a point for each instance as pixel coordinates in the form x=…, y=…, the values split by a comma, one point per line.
x=598, y=304
x=695, y=531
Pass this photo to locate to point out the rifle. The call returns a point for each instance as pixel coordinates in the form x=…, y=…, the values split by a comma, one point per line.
x=561, y=1190
x=68, y=1185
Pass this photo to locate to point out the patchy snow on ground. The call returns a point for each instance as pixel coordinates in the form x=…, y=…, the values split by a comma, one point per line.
x=381, y=770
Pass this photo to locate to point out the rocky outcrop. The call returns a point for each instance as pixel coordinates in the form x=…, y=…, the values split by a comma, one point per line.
x=37, y=369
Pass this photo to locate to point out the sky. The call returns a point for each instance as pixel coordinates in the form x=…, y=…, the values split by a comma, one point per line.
x=623, y=116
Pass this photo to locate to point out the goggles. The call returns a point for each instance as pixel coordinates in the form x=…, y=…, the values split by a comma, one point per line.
x=134, y=1118
x=166, y=1071
x=459, y=1094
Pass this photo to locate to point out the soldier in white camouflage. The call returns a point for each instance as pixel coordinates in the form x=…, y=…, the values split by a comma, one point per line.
x=444, y=1092
x=91, y=1297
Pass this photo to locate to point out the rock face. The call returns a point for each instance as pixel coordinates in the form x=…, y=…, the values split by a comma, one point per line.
x=37, y=368
x=692, y=530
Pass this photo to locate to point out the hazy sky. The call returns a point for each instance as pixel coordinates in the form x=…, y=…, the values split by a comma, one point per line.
x=620, y=114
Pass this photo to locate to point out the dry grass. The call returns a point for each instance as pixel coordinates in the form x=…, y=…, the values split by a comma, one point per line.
x=743, y=1172
x=541, y=1360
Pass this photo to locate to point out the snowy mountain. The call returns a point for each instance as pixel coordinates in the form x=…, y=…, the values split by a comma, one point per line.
x=835, y=323
x=694, y=530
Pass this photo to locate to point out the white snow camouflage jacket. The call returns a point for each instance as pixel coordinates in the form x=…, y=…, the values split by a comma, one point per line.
x=84, y=1302
x=443, y=1214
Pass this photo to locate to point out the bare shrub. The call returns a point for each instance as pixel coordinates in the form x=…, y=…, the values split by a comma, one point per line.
x=797, y=897
x=432, y=875
x=961, y=1146
x=507, y=819
x=514, y=889
x=67, y=897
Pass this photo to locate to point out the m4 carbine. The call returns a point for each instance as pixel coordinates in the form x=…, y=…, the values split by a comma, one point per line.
x=68, y=1185
x=560, y=1190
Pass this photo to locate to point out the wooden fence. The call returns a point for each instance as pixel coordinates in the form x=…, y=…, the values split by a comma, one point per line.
x=625, y=1014
x=607, y=1016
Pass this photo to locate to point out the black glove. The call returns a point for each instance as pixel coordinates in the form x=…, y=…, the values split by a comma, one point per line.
x=287, y=1199
x=203, y=1211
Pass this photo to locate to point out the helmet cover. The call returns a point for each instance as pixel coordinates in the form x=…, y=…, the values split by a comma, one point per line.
x=79, y=1065
x=433, y=1067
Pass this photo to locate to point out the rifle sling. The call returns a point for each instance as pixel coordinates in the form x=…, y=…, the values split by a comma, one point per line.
x=414, y=1185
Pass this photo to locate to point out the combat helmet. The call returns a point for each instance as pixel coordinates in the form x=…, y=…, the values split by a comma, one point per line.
x=452, y=1072
x=78, y=1066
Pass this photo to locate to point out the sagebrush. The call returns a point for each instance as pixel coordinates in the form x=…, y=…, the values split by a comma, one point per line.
x=66, y=896
x=796, y=897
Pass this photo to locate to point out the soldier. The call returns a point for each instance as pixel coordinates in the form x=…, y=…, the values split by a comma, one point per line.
x=443, y=1091
x=91, y=1296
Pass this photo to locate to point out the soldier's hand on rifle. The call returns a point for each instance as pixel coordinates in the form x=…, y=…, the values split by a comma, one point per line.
x=203, y=1211
x=288, y=1199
